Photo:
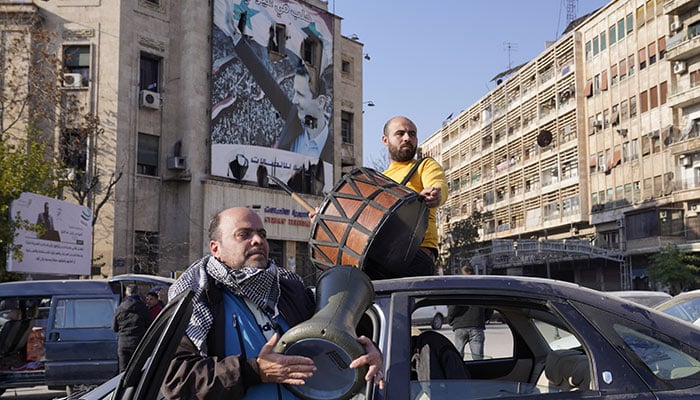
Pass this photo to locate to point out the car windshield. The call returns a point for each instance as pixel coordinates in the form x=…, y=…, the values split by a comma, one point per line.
x=687, y=310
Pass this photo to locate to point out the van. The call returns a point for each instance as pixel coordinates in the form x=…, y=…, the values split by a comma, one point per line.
x=58, y=333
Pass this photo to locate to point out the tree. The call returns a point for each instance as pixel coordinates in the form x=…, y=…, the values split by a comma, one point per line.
x=676, y=268
x=380, y=162
x=34, y=105
x=462, y=237
x=23, y=168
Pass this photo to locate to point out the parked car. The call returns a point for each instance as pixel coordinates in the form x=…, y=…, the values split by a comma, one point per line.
x=623, y=350
x=685, y=306
x=58, y=333
x=430, y=315
x=648, y=298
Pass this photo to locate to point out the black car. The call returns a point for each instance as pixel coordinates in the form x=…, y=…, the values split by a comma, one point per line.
x=559, y=341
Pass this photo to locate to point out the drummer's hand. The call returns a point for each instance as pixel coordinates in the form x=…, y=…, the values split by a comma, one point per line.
x=432, y=196
x=279, y=368
x=313, y=213
x=373, y=358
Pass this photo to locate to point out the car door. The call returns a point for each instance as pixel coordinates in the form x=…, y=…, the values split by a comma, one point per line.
x=81, y=347
x=146, y=370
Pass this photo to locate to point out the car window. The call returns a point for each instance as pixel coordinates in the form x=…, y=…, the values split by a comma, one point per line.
x=525, y=351
x=687, y=311
x=663, y=360
x=557, y=338
x=84, y=313
x=498, y=338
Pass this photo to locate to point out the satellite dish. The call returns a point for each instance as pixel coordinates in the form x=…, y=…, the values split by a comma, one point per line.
x=544, y=138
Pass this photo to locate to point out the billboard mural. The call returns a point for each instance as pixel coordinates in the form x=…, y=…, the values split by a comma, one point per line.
x=62, y=245
x=272, y=91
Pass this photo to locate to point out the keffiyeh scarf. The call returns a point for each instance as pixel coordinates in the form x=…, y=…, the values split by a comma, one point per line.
x=261, y=286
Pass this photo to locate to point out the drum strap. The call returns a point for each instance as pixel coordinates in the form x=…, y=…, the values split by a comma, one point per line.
x=413, y=170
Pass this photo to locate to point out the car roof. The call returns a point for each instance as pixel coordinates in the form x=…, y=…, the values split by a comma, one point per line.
x=142, y=278
x=677, y=299
x=504, y=285
x=54, y=287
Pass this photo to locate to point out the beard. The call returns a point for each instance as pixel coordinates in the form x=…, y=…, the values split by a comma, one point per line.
x=402, y=153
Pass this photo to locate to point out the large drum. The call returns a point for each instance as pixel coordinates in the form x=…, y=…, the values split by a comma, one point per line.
x=368, y=219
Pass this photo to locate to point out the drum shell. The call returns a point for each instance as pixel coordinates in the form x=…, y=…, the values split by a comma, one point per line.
x=368, y=217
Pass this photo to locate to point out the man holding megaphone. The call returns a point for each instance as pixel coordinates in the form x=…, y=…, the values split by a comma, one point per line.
x=243, y=303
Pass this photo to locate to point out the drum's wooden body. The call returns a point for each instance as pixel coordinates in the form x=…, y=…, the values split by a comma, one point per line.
x=368, y=217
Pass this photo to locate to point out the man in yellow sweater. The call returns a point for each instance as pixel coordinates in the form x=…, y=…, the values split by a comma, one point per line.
x=401, y=139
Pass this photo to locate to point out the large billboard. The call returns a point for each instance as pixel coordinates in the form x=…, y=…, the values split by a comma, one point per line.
x=62, y=243
x=272, y=91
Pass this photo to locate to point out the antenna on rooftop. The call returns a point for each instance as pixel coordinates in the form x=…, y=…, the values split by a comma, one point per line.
x=510, y=47
x=571, y=6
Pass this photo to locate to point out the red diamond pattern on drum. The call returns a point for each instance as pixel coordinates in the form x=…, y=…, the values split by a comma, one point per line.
x=322, y=235
x=337, y=228
x=350, y=206
x=366, y=189
x=370, y=217
x=331, y=210
x=357, y=240
x=328, y=252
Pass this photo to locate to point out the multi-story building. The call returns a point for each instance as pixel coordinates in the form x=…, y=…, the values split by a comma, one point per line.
x=583, y=156
x=200, y=104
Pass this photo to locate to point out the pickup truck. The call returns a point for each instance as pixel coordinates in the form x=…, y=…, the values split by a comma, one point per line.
x=58, y=333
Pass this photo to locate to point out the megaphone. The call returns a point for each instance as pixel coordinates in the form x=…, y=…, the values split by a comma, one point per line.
x=343, y=294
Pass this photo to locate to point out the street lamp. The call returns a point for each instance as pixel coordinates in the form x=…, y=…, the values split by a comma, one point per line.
x=369, y=103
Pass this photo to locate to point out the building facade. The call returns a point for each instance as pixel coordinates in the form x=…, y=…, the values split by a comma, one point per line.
x=198, y=108
x=584, y=156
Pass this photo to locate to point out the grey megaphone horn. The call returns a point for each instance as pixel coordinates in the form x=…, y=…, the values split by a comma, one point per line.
x=343, y=294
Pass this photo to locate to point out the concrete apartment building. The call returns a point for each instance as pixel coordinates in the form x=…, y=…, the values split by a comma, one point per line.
x=585, y=155
x=197, y=101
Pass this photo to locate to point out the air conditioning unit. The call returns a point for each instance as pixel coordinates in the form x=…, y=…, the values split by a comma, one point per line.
x=597, y=124
x=149, y=99
x=676, y=26
x=679, y=67
x=72, y=80
x=177, y=163
x=687, y=161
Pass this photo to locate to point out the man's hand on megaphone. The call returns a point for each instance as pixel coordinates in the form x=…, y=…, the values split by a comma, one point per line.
x=373, y=358
x=279, y=368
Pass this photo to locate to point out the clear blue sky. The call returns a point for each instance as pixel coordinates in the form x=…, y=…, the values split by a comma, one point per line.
x=433, y=58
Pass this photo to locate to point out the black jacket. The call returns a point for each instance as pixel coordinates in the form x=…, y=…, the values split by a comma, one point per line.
x=217, y=376
x=468, y=316
x=130, y=321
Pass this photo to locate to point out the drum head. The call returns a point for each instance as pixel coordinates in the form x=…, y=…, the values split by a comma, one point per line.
x=333, y=379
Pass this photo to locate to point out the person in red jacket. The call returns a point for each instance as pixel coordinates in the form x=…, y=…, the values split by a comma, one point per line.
x=154, y=306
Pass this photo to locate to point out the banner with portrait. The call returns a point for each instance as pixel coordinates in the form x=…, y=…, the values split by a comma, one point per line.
x=272, y=93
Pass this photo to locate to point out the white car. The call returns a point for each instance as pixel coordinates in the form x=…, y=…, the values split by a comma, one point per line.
x=434, y=316
x=685, y=306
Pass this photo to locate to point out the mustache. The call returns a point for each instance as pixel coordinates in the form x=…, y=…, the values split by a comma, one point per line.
x=256, y=250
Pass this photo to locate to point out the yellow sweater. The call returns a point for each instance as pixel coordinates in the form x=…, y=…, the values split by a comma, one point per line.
x=430, y=173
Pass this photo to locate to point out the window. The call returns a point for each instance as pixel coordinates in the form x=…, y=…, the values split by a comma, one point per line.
x=345, y=67
x=644, y=101
x=76, y=60
x=642, y=58
x=613, y=35
x=346, y=128
x=596, y=46
x=74, y=149
x=149, y=73
x=620, y=29
x=663, y=92
x=84, y=313
x=630, y=22
x=653, y=97
x=148, y=154
x=311, y=51
x=146, y=251
x=589, y=52
x=652, y=53
x=603, y=41
x=278, y=39
x=662, y=47
x=633, y=106
x=630, y=65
